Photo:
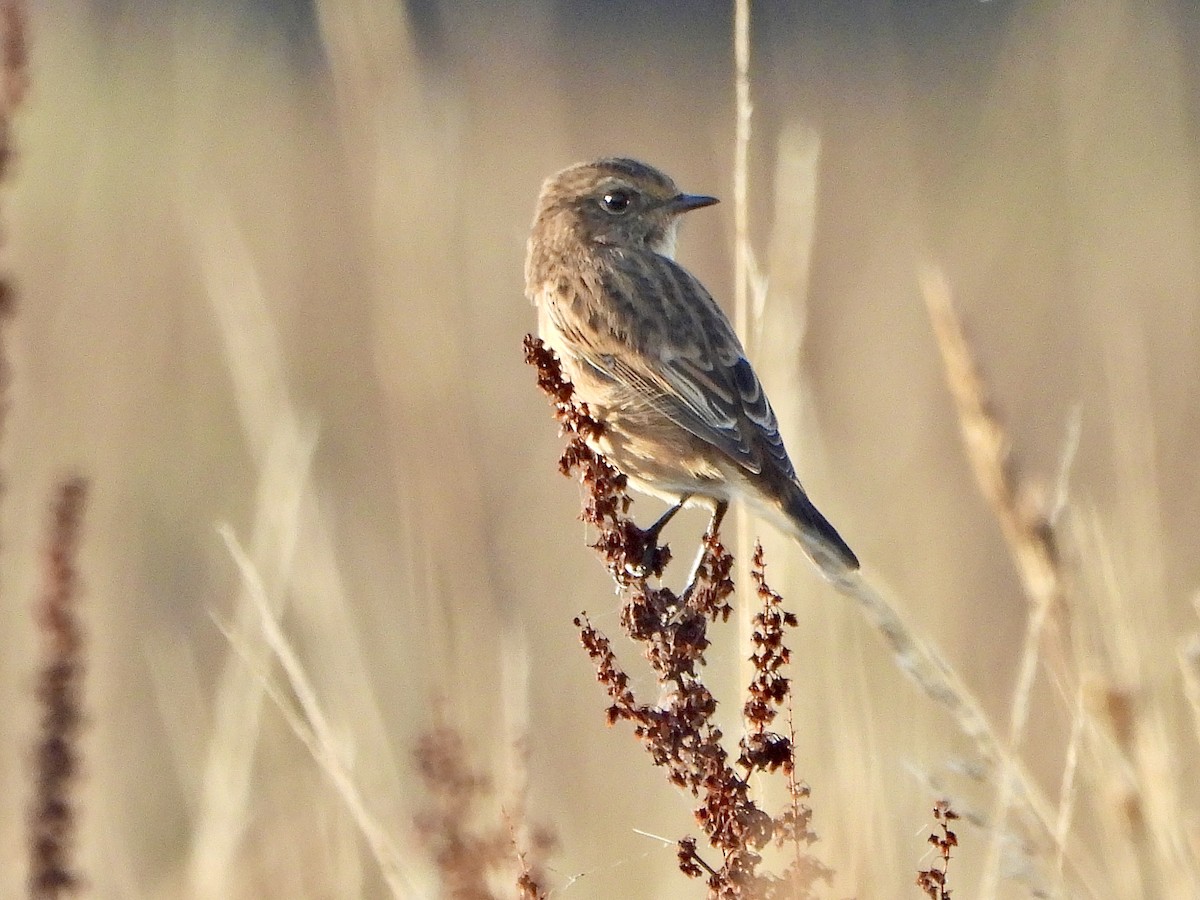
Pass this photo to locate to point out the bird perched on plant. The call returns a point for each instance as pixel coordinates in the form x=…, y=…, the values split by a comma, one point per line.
x=655, y=359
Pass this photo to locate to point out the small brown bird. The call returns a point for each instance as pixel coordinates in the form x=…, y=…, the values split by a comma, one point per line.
x=653, y=356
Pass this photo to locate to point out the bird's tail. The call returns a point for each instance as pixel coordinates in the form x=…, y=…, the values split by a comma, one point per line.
x=817, y=537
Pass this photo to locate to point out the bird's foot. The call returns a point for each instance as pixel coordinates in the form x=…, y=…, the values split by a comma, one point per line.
x=654, y=558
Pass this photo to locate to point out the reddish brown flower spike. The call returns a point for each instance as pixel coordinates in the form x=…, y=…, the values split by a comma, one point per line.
x=678, y=727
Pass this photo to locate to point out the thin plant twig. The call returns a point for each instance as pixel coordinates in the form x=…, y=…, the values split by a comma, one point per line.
x=934, y=880
x=741, y=167
x=311, y=725
x=937, y=680
x=1189, y=668
x=742, y=254
x=1026, y=529
x=1067, y=791
x=1025, y=525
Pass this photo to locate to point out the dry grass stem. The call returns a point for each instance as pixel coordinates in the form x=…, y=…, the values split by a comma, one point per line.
x=282, y=446
x=312, y=727
x=224, y=807
x=741, y=168
x=939, y=681
x=1067, y=790
x=291, y=547
x=743, y=251
x=1025, y=524
x=1189, y=670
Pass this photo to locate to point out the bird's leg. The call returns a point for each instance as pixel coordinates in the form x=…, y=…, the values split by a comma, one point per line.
x=650, y=535
x=714, y=525
x=653, y=530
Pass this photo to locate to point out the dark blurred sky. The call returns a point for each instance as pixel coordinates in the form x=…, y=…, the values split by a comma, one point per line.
x=947, y=45
x=608, y=27
x=952, y=46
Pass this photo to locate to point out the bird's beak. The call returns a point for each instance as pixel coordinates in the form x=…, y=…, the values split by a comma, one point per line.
x=682, y=203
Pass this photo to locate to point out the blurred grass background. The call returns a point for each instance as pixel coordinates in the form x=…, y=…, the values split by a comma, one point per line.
x=270, y=259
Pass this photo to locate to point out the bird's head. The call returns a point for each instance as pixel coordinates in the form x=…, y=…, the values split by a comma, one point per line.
x=615, y=202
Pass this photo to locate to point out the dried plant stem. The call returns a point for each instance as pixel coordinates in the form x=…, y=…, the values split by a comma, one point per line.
x=1066, y=793
x=282, y=444
x=742, y=264
x=52, y=873
x=741, y=168
x=1026, y=529
x=310, y=724
x=1189, y=669
x=797, y=791
x=223, y=811
x=1026, y=674
x=934, y=880
x=935, y=677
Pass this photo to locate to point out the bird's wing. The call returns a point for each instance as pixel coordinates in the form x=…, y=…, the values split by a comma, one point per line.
x=667, y=344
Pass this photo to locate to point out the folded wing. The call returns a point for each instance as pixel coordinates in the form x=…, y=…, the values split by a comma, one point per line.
x=666, y=344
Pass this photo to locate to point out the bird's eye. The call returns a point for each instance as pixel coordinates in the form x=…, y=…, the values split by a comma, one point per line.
x=615, y=202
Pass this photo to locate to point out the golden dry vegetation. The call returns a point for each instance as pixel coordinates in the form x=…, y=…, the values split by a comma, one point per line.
x=269, y=271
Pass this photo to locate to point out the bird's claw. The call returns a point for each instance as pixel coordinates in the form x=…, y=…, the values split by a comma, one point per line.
x=654, y=558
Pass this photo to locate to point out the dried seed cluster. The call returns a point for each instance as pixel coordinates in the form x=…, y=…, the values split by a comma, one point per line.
x=679, y=729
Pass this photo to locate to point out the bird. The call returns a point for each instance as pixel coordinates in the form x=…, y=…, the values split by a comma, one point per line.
x=650, y=352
